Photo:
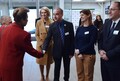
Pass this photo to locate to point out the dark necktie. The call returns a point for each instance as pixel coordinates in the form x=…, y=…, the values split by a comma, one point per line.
x=61, y=27
x=112, y=28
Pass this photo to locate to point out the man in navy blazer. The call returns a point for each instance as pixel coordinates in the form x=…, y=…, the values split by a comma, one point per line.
x=109, y=45
x=62, y=34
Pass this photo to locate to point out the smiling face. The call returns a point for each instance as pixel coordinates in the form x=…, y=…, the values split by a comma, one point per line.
x=43, y=14
x=98, y=17
x=57, y=15
x=114, y=11
x=84, y=17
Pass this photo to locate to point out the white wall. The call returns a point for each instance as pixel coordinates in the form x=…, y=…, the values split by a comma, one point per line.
x=4, y=9
x=99, y=8
x=106, y=5
x=95, y=6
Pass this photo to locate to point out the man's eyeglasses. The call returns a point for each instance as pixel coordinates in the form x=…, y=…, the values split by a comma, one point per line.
x=111, y=9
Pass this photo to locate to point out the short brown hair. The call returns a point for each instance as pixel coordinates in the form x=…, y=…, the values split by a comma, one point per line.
x=20, y=13
x=58, y=8
x=118, y=4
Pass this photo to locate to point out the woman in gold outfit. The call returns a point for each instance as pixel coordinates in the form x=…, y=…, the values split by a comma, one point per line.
x=42, y=27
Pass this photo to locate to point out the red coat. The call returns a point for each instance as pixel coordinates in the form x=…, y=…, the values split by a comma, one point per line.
x=14, y=43
x=1, y=30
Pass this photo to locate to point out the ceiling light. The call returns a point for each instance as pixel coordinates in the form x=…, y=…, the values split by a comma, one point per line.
x=77, y=0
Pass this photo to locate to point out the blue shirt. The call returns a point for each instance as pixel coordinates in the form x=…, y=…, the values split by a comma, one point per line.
x=85, y=39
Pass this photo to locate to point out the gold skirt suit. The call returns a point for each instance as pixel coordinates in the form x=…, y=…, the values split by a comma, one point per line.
x=41, y=33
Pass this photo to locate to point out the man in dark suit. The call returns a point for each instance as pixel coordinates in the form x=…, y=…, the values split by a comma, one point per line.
x=109, y=45
x=62, y=34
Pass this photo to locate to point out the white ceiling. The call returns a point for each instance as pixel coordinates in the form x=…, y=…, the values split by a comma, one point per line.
x=47, y=1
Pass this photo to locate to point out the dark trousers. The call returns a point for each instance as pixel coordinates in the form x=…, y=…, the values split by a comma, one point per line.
x=66, y=63
x=109, y=73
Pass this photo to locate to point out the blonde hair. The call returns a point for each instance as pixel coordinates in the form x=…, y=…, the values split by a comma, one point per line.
x=5, y=20
x=46, y=9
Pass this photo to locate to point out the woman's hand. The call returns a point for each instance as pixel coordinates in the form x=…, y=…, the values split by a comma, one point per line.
x=77, y=51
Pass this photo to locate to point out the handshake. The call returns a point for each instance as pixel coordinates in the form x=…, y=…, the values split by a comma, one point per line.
x=43, y=52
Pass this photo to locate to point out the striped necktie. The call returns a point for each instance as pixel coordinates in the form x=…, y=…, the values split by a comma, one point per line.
x=112, y=28
x=61, y=27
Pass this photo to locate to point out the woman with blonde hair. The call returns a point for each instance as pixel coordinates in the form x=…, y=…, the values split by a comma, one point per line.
x=42, y=27
x=85, y=39
x=6, y=20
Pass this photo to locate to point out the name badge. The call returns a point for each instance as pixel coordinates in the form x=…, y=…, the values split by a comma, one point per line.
x=67, y=33
x=115, y=32
x=64, y=24
x=47, y=26
x=87, y=32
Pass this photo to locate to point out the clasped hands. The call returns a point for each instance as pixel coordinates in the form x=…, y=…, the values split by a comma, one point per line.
x=103, y=55
x=77, y=52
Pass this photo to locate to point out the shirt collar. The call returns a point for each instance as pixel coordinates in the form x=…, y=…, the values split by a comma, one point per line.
x=117, y=21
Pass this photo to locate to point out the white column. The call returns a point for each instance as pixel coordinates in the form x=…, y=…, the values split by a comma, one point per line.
x=61, y=4
x=37, y=7
x=102, y=9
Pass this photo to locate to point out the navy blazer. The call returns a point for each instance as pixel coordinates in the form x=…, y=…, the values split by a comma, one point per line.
x=54, y=33
x=111, y=43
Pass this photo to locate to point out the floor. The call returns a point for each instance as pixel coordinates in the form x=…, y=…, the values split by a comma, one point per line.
x=31, y=69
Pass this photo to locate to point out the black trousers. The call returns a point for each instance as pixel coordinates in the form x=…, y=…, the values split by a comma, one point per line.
x=57, y=67
x=109, y=72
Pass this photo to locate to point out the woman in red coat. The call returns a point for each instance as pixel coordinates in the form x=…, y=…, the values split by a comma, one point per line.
x=14, y=43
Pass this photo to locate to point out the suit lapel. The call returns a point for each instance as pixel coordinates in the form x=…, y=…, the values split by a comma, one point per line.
x=116, y=28
x=65, y=26
x=57, y=28
x=108, y=28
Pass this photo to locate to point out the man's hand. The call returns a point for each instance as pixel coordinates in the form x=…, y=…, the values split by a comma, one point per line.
x=103, y=55
x=102, y=52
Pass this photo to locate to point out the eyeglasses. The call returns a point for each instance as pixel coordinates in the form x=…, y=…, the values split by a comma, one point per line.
x=111, y=9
